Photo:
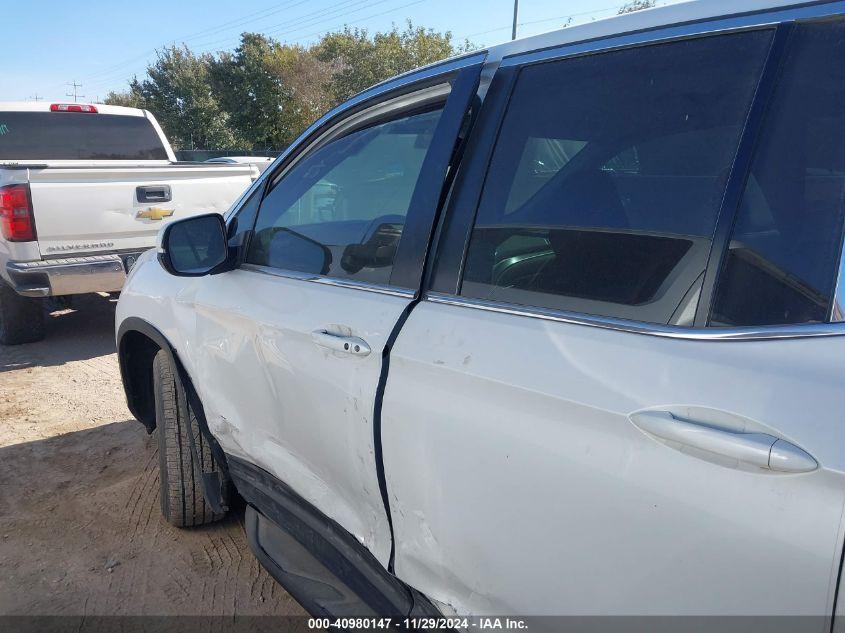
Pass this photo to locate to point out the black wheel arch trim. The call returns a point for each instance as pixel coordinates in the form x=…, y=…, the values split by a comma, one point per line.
x=135, y=392
x=137, y=385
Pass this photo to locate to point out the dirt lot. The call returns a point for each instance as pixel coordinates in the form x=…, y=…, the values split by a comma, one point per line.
x=80, y=528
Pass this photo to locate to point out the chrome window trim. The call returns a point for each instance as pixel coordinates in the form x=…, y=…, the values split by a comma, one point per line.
x=329, y=281
x=649, y=329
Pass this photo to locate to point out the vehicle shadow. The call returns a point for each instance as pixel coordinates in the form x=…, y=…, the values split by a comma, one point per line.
x=84, y=331
x=81, y=534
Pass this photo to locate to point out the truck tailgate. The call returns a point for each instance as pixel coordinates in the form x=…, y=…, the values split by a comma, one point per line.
x=88, y=209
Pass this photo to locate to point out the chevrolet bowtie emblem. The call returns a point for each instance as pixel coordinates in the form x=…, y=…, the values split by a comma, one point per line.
x=154, y=213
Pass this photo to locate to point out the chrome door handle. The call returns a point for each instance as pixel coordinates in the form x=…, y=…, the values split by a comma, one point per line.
x=339, y=343
x=757, y=449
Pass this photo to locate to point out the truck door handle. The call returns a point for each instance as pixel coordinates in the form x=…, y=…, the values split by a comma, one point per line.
x=153, y=193
x=757, y=449
x=339, y=343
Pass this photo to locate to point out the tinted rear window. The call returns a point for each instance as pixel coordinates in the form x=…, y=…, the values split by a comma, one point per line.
x=607, y=176
x=76, y=136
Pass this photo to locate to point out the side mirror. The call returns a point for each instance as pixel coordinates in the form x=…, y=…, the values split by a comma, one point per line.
x=193, y=247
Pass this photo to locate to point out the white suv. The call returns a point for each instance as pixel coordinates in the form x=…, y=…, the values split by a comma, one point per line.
x=551, y=328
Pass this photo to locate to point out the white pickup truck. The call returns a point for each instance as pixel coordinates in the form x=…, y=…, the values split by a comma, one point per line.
x=83, y=192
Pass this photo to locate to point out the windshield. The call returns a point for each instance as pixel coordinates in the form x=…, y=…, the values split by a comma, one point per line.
x=76, y=136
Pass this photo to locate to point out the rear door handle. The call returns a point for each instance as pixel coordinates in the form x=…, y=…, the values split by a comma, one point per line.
x=757, y=449
x=339, y=343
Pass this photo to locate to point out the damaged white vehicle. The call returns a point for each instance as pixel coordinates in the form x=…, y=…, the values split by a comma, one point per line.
x=498, y=337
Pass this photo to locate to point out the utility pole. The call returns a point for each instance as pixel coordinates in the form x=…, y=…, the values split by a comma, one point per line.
x=515, y=16
x=75, y=94
x=36, y=97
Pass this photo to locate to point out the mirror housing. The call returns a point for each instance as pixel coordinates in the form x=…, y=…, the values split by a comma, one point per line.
x=195, y=246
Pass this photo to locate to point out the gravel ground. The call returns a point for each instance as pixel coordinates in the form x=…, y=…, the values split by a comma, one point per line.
x=80, y=528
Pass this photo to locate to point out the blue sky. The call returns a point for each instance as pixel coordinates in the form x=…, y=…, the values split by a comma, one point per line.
x=100, y=44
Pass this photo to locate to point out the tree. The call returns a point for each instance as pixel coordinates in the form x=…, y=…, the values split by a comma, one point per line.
x=636, y=5
x=264, y=93
x=178, y=91
x=361, y=61
x=305, y=78
x=271, y=91
x=131, y=98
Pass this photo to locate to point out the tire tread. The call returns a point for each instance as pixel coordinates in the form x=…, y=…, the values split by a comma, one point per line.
x=183, y=502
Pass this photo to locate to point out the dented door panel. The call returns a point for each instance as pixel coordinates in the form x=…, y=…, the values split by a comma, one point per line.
x=519, y=484
x=280, y=400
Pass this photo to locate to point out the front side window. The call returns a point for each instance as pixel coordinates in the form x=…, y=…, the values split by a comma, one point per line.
x=607, y=177
x=784, y=251
x=341, y=210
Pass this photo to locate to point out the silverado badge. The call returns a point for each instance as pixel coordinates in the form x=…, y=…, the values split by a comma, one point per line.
x=154, y=213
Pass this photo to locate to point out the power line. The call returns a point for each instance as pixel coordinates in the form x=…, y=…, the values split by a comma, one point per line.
x=241, y=22
x=311, y=19
x=306, y=20
x=558, y=17
x=369, y=17
x=36, y=97
x=214, y=29
x=315, y=18
x=75, y=94
x=303, y=22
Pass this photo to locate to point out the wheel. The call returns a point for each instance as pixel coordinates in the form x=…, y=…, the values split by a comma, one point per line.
x=183, y=503
x=21, y=318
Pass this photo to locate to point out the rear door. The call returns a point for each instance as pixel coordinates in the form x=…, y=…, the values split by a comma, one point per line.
x=289, y=346
x=623, y=397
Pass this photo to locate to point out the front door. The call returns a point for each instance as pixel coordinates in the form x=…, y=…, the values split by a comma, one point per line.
x=289, y=345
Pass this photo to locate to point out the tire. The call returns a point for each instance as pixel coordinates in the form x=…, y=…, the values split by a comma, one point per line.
x=21, y=318
x=183, y=503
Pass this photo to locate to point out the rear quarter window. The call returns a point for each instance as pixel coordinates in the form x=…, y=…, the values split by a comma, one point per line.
x=783, y=256
x=78, y=136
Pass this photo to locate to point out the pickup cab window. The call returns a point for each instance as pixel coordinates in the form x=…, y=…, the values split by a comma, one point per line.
x=602, y=196
x=78, y=136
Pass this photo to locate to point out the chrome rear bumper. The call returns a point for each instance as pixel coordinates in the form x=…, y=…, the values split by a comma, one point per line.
x=68, y=276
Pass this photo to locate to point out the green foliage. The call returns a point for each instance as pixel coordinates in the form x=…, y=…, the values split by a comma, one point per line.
x=636, y=5
x=178, y=91
x=129, y=99
x=271, y=91
x=360, y=60
x=264, y=93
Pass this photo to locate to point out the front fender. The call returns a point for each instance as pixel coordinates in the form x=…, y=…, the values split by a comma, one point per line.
x=152, y=314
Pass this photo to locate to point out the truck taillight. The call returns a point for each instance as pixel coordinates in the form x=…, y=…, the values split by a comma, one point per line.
x=16, y=221
x=73, y=107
